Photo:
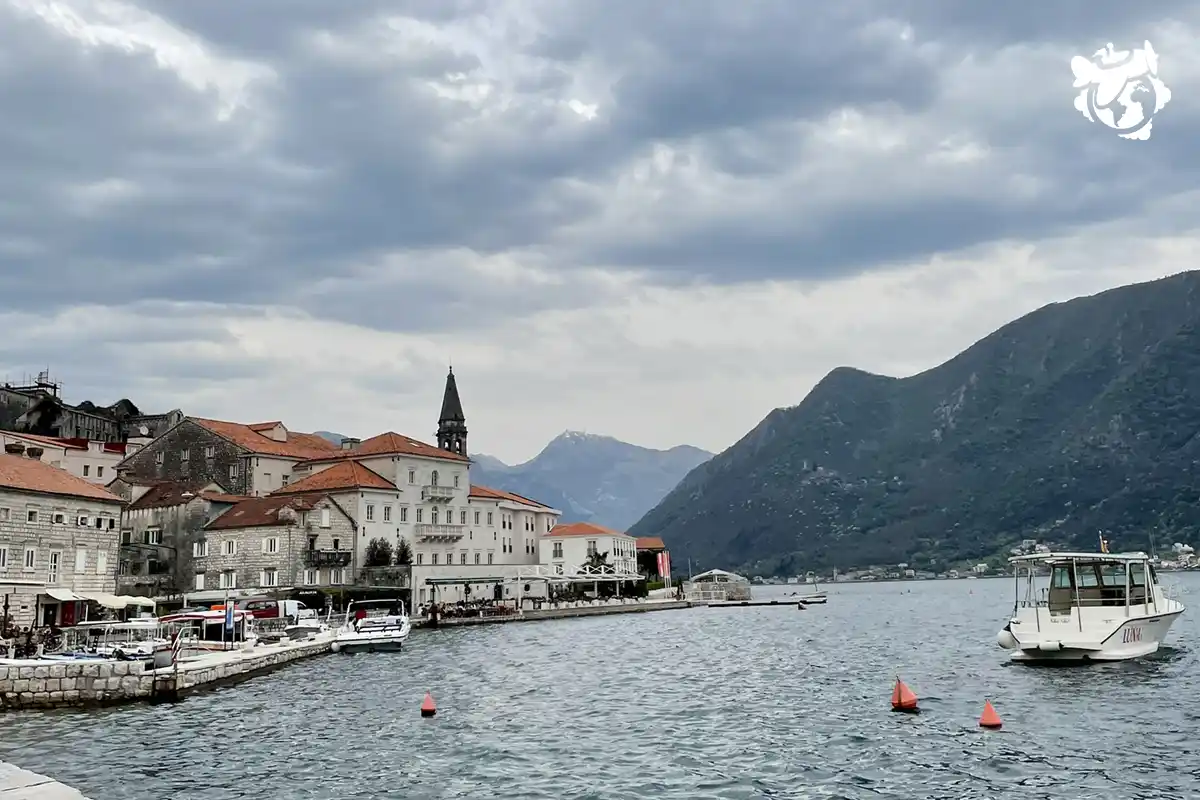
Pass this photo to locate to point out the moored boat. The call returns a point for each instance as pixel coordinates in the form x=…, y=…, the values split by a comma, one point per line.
x=373, y=626
x=1098, y=607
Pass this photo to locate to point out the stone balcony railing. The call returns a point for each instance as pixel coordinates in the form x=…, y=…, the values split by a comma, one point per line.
x=439, y=533
x=397, y=577
x=327, y=558
x=432, y=493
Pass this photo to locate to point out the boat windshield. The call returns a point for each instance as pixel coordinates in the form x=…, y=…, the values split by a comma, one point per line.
x=1095, y=583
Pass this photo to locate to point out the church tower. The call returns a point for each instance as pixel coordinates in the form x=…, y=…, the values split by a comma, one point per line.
x=452, y=425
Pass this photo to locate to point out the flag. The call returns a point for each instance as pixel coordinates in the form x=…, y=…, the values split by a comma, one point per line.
x=228, y=614
x=659, y=559
x=176, y=645
x=665, y=571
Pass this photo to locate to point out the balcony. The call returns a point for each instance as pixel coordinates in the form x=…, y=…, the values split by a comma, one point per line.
x=433, y=494
x=397, y=577
x=327, y=558
x=440, y=533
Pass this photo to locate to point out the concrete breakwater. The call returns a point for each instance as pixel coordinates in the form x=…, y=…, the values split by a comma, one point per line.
x=48, y=684
x=21, y=784
x=558, y=613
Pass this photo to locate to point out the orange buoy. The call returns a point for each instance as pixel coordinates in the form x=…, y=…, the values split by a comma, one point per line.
x=989, y=719
x=903, y=699
x=428, y=707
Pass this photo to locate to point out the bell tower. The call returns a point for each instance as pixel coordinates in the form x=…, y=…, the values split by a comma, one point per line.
x=452, y=424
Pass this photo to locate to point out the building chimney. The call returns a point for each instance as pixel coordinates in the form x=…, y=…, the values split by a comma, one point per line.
x=14, y=448
x=349, y=443
x=34, y=452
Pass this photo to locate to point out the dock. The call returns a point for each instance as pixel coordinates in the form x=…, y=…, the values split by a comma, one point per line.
x=750, y=603
x=21, y=784
x=557, y=613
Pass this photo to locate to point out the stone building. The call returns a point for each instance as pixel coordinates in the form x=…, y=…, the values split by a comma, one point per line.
x=37, y=407
x=58, y=542
x=250, y=460
x=161, y=531
x=276, y=544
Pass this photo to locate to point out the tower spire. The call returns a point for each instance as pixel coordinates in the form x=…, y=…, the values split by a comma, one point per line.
x=452, y=423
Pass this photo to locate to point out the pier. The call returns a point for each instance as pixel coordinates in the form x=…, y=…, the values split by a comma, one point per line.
x=21, y=784
x=557, y=613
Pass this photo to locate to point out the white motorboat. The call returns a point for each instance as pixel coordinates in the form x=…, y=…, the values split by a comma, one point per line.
x=1098, y=607
x=372, y=626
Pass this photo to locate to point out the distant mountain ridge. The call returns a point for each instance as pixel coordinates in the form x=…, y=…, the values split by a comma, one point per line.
x=592, y=478
x=1079, y=417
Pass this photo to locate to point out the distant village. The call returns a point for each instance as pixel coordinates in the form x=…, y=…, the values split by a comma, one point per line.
x=103, y=507
x=1179, y=557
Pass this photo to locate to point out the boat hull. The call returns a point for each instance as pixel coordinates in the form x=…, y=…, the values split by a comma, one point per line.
x=394, y=645
x=1136, y=638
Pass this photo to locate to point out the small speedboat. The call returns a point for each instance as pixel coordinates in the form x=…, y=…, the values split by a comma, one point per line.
x=373, y=626
x=1098, y=607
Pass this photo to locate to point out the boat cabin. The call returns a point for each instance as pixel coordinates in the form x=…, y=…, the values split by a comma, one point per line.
x=1088, y=580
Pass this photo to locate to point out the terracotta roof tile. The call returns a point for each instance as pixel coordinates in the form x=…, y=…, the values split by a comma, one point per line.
x=260, y=512
x=499, y=494
x=651, y=543
x=392, y=444
x=24, y=474
x=583, y=529
x=299, y=446
x=50, y=441
x=346, y=475
x=166, y=494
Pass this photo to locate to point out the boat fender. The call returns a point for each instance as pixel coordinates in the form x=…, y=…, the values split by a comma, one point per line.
x=1005, y=639
x=1050, y=647
x=336, y=647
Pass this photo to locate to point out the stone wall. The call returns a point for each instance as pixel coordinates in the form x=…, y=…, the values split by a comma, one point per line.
x=48, y=685
x=92, y=549
x=198, y=467
x=289, y=560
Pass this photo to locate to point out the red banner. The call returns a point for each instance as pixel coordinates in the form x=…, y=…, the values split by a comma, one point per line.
x=659, y=564
x=664, y=568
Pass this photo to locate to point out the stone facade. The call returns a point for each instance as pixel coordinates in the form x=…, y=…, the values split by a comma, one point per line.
x=158, y=544
x=190, y=453
x=316, y=549
x=49, y=541
x=107, y=682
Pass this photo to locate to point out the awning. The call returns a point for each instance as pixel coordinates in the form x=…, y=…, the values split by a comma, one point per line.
x=137, y=600
x=62, y=595
x=118, y=601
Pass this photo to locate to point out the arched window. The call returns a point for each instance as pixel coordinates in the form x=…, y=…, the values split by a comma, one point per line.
x=435, y=516
x=434, y=479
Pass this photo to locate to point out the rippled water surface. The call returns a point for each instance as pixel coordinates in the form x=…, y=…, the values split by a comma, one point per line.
x=701, y=703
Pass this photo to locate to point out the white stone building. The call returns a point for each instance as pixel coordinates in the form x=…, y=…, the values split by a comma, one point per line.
x=58, y=542
x=405, y=490
x=573, y=545
x=95, y=462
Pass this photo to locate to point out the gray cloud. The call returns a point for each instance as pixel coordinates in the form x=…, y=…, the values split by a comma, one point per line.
x=123, y=182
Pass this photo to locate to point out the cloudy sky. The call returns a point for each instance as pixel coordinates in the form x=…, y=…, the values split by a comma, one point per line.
x=655, y=220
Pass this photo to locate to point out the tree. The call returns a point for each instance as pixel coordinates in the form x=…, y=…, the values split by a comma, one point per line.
x=379, y=553
x=403, y=553
x=598, y=561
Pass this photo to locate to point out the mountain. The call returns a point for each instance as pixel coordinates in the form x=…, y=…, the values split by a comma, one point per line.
x=1081, y=416
x=592, y=478
x=336, y=438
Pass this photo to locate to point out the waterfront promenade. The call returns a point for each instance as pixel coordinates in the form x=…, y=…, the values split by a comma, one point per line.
x=21, y=784
x=41, y=684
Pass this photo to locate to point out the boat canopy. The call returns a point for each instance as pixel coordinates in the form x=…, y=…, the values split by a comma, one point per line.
x=718, y=576
x=1058, y=558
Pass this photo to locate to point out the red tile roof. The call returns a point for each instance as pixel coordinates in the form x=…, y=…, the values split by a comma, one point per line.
x=651, y=543
x=392, y=444
x=166, y=494
x=258, y=512
x=299, y=446
x=49, y=441
x=24, y=474
x=583, y=529
x=488, y=493
x=346, y=475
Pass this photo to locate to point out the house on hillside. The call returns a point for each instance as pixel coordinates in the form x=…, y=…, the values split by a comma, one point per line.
x=280, y=543
x=161, y=532
x=58, y=543
x=37, y=407
x=251, y=460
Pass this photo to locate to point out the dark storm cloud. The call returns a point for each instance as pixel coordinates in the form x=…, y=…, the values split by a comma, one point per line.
x=344, y=154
